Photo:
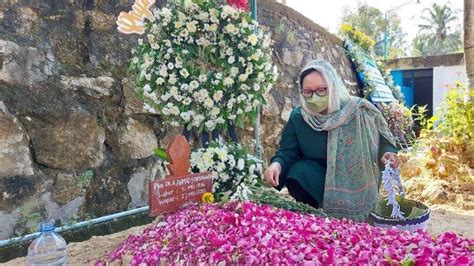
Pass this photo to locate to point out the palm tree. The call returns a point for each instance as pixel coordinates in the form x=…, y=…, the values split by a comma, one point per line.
x=436, y=31
x=469, y=41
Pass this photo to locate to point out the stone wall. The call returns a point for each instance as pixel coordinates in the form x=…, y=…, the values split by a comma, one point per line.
x=75, y=141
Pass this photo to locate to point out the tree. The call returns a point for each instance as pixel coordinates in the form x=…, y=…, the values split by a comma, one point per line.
x=436, y=34
x=469, y=41
x=371, y=21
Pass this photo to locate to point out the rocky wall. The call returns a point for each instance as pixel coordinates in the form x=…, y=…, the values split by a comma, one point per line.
x=75, y=141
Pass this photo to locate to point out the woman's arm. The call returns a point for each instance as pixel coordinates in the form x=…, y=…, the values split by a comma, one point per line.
x=289, y=150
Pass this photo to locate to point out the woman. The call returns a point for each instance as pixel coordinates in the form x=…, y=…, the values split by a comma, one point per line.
x=330, y=147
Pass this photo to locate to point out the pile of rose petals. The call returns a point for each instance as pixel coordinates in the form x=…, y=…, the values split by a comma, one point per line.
x=249, y=233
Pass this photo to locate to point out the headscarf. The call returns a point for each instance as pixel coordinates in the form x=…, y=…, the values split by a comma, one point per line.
x=354, y=127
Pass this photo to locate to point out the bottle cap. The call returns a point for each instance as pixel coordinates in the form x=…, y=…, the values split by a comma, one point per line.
x=46, y=227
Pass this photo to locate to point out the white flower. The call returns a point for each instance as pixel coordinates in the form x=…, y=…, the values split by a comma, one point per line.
x=239, y=111
x=172, y=79
x=230, y=28
x=208, y=103
x=163, y=71
x=140, y=41
x=266, y=41
x=165, y=97
x=214, y=112
x=252, y=39
x=222, y=154
x=256, y=103
x=193, y=85
x=213, y=27
x=191, y=26
x=178, y=24
x=211, y=124
x=187, y=101
x=148, y=76
x=165, y=111
x=184, y=33
x=170, y=66
x=232, y=117
x=165, y=13
x=248, y=108
x=218, y=75
x=160, y=81
x=147, y=88
x=186, y=116
x=234, y=71
x=218, y=95
x=148, y=108
x=184, y=73
x=220, y=120
x=240, y=164
x=241, y=98
x=231, y=161
x=184, y=87
x=174, y=110
x=230, y=103
x=135, y=60
x=261, y=77
x=174, y=91
x=243, y=77
x=229, y=51
x=202, y=78
x=256, y=87
x=241, y=45
x=228, y=81
x=174, y=124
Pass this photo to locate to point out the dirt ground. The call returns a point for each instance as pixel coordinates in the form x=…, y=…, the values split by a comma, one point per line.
x=443, y=218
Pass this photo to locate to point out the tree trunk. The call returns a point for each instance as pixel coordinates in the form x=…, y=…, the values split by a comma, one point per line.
x=469, y=40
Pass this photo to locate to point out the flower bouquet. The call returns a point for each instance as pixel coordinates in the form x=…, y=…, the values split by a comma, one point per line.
x=232, y=169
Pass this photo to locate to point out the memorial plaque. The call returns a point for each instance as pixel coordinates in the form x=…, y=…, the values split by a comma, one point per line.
x=180, y=188
x=172, y=193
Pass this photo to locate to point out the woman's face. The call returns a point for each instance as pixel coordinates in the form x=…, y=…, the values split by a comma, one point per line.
x=314, y=83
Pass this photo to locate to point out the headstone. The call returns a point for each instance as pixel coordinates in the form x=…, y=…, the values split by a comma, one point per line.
x=180, y=188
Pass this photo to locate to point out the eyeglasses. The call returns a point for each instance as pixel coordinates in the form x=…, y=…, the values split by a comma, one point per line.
x=320, y=92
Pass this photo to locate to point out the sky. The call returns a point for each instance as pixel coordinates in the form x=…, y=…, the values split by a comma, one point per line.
x=328, y=13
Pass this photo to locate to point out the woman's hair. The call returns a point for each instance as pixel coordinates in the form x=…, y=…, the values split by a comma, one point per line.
x=304, y=74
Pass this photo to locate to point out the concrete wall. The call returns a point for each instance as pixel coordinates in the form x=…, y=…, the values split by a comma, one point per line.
x=444, y=76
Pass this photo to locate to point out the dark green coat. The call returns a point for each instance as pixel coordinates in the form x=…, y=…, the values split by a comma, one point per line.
x=302, y=155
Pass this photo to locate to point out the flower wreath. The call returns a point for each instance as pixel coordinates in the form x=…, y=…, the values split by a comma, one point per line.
x=203, y=65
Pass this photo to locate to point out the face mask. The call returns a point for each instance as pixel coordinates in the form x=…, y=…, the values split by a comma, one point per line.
x=317, y=103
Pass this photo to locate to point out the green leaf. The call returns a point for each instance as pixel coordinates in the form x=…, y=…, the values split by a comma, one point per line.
x=161, y=153
x=407, y=262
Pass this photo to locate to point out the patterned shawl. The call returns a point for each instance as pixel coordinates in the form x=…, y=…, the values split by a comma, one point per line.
x=354, y=126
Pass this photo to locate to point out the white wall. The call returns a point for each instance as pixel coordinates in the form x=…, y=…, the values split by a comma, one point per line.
x=444, y=76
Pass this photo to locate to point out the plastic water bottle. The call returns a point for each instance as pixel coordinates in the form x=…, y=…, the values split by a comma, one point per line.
x=48, y=249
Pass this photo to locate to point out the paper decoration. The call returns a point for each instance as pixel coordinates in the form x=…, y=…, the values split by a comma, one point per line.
x=134, y=20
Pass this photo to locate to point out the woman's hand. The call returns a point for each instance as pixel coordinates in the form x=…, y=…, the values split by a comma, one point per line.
x=392, y=157
x=272, y=174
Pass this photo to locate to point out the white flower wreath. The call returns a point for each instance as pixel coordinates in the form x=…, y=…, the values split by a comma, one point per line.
x=203, y=65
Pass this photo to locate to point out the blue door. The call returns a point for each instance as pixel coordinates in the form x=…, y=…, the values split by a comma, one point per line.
x=407, y=91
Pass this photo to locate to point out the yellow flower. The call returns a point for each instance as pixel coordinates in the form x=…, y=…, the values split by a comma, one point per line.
x=253, y=39
x=207, y=197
